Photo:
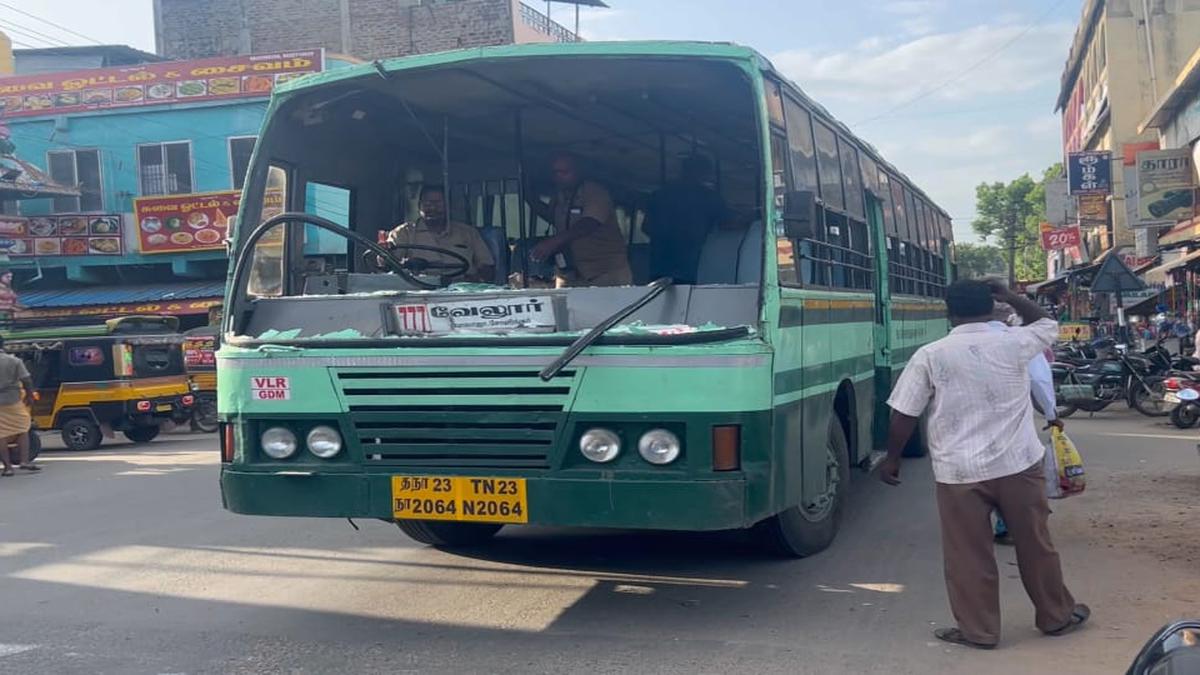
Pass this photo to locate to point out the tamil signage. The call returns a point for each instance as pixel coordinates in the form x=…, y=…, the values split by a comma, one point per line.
x=192, y=222
x=61, y=235
x=1089, y=173
x=1166, y=186
x=181, y=308
x=200, y=352
x=153, y=83
x=1059, y=238
x=1093, y=210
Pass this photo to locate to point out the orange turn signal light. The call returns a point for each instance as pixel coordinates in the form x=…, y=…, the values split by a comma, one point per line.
x=227, y=443
x=727, y=447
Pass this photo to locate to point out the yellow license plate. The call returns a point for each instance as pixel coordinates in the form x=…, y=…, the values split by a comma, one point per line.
x=462, y=498
x=163, y=407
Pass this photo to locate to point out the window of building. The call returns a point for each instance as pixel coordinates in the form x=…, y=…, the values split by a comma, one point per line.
x=77, y=168
x=803, y=152
x=829, y=166
x=165, y=168
x=240, y=149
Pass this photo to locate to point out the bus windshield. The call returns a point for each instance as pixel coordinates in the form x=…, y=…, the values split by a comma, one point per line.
x=521, y=198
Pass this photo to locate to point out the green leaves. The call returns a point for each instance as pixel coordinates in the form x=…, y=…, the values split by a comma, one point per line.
x=1010, y=215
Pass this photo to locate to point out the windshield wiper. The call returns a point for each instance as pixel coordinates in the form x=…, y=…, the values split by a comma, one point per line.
x=655, y=289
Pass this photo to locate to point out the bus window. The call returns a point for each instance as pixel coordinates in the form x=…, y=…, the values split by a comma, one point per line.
x=889, y=204
x=266, y=269
x=325, y=251
x=785, y=252
x=774, y=102
x=852, y=178
x=829, y=166
x=870, y=175
x=800, y=142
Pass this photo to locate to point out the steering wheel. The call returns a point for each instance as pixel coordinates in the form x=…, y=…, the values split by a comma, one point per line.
x=457, y=267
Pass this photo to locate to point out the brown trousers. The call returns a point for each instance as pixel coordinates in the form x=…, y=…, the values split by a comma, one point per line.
x=972, y=581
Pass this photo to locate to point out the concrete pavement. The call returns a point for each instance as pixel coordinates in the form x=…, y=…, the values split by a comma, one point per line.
x=122, y=561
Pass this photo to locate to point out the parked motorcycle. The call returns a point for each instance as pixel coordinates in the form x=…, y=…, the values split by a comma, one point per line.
x=204, y=414
x=1136, y=379
x=1184, y=395
x=1173, y=650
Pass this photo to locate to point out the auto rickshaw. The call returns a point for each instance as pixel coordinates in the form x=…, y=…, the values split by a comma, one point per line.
x=200, y=362
x=126, y=375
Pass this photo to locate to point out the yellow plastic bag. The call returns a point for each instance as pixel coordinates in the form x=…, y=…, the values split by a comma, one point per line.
x=1068, y=463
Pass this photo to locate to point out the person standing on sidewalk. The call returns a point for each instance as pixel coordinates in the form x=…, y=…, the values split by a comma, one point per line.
x=16, y=398
x=974, y=386
x=1041, y=384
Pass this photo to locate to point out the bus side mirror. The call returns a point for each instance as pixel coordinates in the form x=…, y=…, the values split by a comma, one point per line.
x=800, y=214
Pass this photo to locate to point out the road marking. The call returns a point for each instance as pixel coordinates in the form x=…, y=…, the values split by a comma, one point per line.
x=10, y=650
x=1169, y=436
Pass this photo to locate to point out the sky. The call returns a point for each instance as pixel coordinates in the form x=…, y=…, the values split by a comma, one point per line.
x=953, y=92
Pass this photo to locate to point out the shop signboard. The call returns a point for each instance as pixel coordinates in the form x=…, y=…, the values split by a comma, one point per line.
x=1059, y=238
x=1060, y=208
x=64, y=234
x=180, y=223
x=1068, y=331
x=1166, y=186
x=200, y=352
x=180, y=308
x=1089, y=172
x=149, y=84
x=1093, y=210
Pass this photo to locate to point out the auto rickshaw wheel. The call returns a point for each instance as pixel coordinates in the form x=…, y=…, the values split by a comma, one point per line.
x=142, y=434
x=81, y=434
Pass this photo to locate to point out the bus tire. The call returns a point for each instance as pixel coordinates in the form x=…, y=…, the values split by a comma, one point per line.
x=916, y=446
x=448, y=535
x=801, y=531
x=81, y=433
x=142, y=434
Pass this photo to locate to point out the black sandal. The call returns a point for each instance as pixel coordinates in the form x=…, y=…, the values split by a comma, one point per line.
x=1079, y=616
x=29, y=467
x=955, y=636
x=6, y=472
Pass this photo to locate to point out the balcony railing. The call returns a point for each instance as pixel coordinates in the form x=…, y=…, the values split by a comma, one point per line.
x=547, y=26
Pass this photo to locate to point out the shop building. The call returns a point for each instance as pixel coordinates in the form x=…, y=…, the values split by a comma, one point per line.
x=156, y=153
x=1121, y=62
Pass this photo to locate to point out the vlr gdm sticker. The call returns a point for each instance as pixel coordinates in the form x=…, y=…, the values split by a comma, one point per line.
x=270, y=388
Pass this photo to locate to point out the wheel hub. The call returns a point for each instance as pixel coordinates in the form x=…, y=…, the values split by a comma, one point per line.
x=821, y=504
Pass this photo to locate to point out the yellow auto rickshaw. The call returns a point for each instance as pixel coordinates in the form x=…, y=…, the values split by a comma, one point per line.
x=200, y=362
x=126, y=375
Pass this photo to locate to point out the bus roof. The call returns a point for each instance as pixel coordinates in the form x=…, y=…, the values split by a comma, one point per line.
x=726, y=51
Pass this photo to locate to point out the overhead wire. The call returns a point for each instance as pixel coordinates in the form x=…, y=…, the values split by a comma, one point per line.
x=28, y=32
x=50, y=23
x=968, y=70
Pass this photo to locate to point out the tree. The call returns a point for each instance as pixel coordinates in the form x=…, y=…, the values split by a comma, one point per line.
x=978, y=260
x=1012, y=214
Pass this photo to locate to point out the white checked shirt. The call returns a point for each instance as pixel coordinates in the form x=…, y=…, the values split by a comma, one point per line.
x=1041, y=380
x=974, y=384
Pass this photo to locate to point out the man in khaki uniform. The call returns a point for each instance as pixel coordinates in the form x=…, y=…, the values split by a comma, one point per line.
x=433, y=228
x=585, y=229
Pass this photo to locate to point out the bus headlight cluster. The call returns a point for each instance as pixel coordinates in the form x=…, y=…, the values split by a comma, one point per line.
x=600, y=445
x=324, y=442
x=278, y=443
x=658, y=446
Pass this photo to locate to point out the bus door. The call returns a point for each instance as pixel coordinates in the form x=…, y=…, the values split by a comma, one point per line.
x=883, y=320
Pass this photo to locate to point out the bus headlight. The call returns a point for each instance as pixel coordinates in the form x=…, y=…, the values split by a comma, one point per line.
x=278, y=443
x=324, y=442
x=599, y=445
x=658, y=446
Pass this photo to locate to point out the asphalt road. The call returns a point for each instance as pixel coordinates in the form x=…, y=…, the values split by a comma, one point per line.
x=122, y=561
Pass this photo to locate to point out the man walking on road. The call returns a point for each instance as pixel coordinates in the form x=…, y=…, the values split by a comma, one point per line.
x=16, y=398
x=974, y=386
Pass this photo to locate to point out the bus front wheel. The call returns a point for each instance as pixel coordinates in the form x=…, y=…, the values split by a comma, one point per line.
x=810, y=527
x=450, y=535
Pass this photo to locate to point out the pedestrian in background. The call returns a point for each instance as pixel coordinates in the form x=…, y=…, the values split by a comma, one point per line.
x=973, y=385
x=16, y=398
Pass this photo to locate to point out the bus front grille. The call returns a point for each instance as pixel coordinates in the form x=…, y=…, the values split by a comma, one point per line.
x=456, y=419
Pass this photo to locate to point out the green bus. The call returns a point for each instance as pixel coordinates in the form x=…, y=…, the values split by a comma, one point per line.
x=742, y=400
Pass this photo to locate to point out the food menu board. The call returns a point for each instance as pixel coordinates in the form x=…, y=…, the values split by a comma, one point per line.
x=153, y=83
x=192, y=222
x=62, y=234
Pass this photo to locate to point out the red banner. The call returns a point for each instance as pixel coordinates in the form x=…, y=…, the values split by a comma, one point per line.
x=200, y=352
x=192, y=222
x=153, y=83
x=62, y=234
x=1059, y=238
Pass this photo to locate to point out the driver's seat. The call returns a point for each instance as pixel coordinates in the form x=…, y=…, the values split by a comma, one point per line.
x=497, y=243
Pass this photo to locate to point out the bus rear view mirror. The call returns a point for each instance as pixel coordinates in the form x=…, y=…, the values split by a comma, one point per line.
x=800, y=214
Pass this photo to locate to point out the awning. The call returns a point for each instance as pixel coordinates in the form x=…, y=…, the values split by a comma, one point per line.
x=1187, y=230
x=1158, y=275
x=21, y=180
x=179, y=299
x=1047, y=286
